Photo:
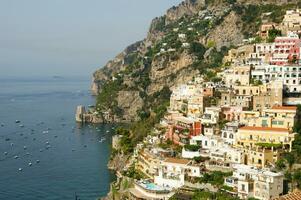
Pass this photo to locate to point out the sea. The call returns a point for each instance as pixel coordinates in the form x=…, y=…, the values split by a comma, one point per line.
x=46, y=154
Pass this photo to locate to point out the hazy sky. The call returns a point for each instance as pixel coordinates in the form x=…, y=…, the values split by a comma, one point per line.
x=70, y=37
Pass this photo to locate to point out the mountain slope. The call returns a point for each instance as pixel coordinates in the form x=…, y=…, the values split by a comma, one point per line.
x=190, y=40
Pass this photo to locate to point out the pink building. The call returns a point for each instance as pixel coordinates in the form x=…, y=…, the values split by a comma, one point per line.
x=287, y=49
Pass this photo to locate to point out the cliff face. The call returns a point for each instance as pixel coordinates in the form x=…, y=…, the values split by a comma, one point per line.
x=188, y=41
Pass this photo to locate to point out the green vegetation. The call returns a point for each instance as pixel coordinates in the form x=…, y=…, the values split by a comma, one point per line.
x=215, y=178
x=253, y=15
x=134, y=173
x=205, y=195
x=107, y=98
x=200, y=159
x=273, y=34
x=255, y=82
x=190, y=147
x=269, y=145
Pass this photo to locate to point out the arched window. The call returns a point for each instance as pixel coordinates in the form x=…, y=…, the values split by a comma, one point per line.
x=225, y=135
x=231, y=136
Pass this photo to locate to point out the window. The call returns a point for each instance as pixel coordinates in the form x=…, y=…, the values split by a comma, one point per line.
x=243, y=187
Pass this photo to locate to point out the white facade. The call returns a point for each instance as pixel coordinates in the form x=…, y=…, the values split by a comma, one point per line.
x=172, y=171
x=252, y=182
x=229, y=132
x=211, y=115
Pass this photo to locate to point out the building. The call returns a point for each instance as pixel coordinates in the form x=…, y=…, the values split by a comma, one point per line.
x=188, y=99
x=172, y=172
x=287, y=50
x=229, y=132
x=148, y=160
x=238, y=75
x=249, y=136
x=211, y=116
x=281, y=116
x=145, y=190
x=291, y=21
x=249, y=182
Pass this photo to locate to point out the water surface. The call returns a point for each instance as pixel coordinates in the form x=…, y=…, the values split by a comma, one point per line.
x=72, y=159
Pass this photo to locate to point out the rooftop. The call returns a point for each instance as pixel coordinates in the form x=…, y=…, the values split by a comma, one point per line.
x=177, y=161
x=292, y=196
x=254, y=128
x=284, y=108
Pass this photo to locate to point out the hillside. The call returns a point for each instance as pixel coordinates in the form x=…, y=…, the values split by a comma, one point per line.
x=190, y=40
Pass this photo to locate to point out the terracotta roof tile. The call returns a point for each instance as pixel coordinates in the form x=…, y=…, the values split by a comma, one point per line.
x=292, y=196
x=177, y=161
x=254, y=128
x=284, y=107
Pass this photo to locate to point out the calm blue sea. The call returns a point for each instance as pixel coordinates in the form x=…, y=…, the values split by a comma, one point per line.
x=72, y=159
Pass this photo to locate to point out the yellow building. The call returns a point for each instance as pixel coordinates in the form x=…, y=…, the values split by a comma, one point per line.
x=249, y=137
x=281, y=116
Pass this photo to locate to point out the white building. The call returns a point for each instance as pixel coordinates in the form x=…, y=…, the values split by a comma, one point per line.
x=172, y=172
x=229, y=132
x=211, y=115
x=252, y=182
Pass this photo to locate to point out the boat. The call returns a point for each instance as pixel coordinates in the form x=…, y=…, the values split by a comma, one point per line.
x=16, y=157
x=20, y=169
x=5, y=153
x=18, y=121
x=37, y=161
x=29, y=164
x=21, y=125
x=107, y=131
x=25, y=147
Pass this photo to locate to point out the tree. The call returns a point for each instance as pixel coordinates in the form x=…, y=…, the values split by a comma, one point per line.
x=273, y=33
x=280, y=164
x=290, y=158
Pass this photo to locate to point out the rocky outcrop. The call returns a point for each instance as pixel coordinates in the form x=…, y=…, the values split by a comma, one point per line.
x=130, y=102
x=154, y=70
x=228, y=32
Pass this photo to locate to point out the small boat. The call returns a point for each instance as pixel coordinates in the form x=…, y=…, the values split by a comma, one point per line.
x=27, y=153
x=37, y=161
x=45, y=132
x=25, y=147
x=20, y=169
x=47, y=142
x=41, y=150
x=16, y=157
x=108, y=131
x=18, y=121
x=21, y=125
x=5, y=153
x=29, y=164
x=11, y=144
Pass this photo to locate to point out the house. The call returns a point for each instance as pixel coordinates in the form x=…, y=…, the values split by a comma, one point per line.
x=228, y=133
x=237, y=75
x=173, y=172
x=253, y=182
x=249, y=136
x=287, y=50
x=291, y=21
x=211, y=115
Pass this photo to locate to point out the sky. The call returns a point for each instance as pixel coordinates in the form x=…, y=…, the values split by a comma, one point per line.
x=70, y=37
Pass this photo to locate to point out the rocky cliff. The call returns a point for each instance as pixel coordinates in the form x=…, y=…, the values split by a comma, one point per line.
x=189, y=40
